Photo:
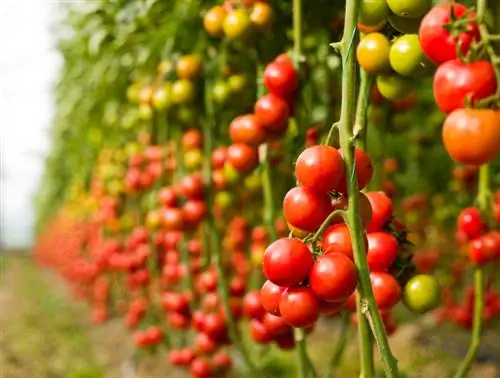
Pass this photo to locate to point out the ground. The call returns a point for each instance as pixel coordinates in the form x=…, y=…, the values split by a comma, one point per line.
x=45, y=334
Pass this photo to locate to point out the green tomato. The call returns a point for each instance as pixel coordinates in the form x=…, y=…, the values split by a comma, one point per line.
x=373, y=53
x=182, y=91
x=145, y=112
x=405, y=25
x=373, y=15
x=161, y=97
x=409, y=8
x=237, y=24
x=394, y=87
x=231, y=175
x=237, y=83
x=224, y=199
x=193, y=159
x=422, y=293
x=407, y=58
x=221, y=92
x=133, y=92
x=253, y=182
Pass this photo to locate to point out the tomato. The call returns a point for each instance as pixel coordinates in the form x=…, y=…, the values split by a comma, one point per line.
x=247, y=129
x=409, y=8
x=242, y=157
x=341, y=203
x=252, y=306
x=331, y=308
x=364, y=170
x=237, y=24
x=192, y=186
x=272, y=112
x=281, y=77
x=188, y=66
x=204, y=344
x=213, y=21
x=406, y=56
x=394, y=87
x=319, y=168
x=221, y=92
x=259, y=333
x=262, y=16
x=286, y=341
x=200, y=368
x=337, y=239
x=192, y=139
x=381, y=207
x=386, y=290
x=161, y=97
x=382, y=251
x=299, y=307
x=437, y=42
x=287, y=262
x=222, y=361
x=276, y=325
x=167, y=197
x=422, y=293
x=305, y=209
x=237, y=83
x=483, y=249
x=470, y=223
x=193, y=212
x=171, y=218
x=373, y=53
x=403, y=24
x=182, y=91
x=472, y=136
x=455, y=82
x=219, y=155
x=270, y=296
x=333, y=277
x=372, y=15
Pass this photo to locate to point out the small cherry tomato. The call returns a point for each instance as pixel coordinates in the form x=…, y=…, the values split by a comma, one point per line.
x=299, y=307
x=270, y=296
x=382, y=251
x=422, y=293
x=386, y=290
x=372, y=53
x=305, y=209
x=394, y=87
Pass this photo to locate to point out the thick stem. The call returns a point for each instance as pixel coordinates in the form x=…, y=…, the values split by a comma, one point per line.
x=339, y=349
x=347, y=115
x=367, y=368
x=306, y=369
x=360, y=129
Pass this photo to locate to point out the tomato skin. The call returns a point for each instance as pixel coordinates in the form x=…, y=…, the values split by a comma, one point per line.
x=213, y=20
x=242, y=157
x=422, y=293
x=337, y=239
x=386, y=290
x=364, y=170
x=276, y=325
x=372, y=15
x=455, y=81
x=470, y=223
x=381, y=206
x=262, y=16
x=382, y=251
x=281, y=77
x=182, y=91
x=237, y=24
x=200, y=368
x=299, y=307
x=270, y=296
x=472, y=136
x=394, y=87
x=252, y=305
x=287, y=262
x=333, y=277
x=372, y=53
x=409, y=8
x=272, y=111
x=189, y=66
x=319, y=168
x=406, y=56
x=437, y=42
x=483, y=249
x=305, y=209
x=247, y=129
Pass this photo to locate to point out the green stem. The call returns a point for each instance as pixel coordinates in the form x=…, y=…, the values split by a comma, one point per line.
x=306, y=369
x=366, y=348
x=360, y=129
x=347, y=116
x=326, y=224
x=339, y=349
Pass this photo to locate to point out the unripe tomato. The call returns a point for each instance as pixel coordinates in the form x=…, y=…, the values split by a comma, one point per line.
x=407, y=58
x=299, y=307
x=237, y=82
x=270, y=296
x=287, y=262
x=193, y=159
x=182, y=91
x=394, y=87
x=382, y=251
x=456, y=82
x=403, y=24
x=372, y=15
x=145, y=112
x=188, y=67
x=472, y=136
x=221, y=92
x=247, y=129
x=237, y=24
x=161, y=97
x=333, y=277
x=213, y=21
x=386, y=290
x=272, y=112
x=437, y=42
x=319, y=168
x=242, y=157
x=422, y=293
x=262, y=16
x=373, y=53
x=409, y=8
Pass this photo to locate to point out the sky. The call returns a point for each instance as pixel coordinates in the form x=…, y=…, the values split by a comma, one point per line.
x=28, y=68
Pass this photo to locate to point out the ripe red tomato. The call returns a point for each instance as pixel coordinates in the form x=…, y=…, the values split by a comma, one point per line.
x=272, y=112
x=270, y=296
x=331, y=308
x=299, y=307
x=200, y=368
x=472, y=136
x=386, y=290
x=167, y=197
x=455, y=82
x=204, y=344
x=247, y=129
x=382, y=251
x=470, y=223
x=252, y=306
x=219, y=157
x=364, y=170
x=305, y=209
x=242, y=157
x=171, y=218
x=192, y=186
x=337, y=239
x=222, y=361
x=484, y=248
x=437, y=42
x=287, y=262
x=276, y=325
x=319, y=168
x=381, y=206
x=259, y=333
x=333, y=277
x=281, y=78
x=193, y=212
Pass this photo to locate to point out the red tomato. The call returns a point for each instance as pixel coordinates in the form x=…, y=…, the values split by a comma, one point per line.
x=167, y=196
x=219, y=157
x=337, y=239
x=193, y=212
x=470, y=223
x=259, y=333
x=319, y=168
x=281, y=78
x=333, y=277
x=483, y=249
x=222, y=361
x=242, y=157
x=270, y=296
x=364, y=170
x=299, y=307
x=287, y=262
x=252, y=306
x=247, y=129
x=381, y=206
x=204, y=344
x=437, y=42
x=382, y=251
x=331, y=308
x=272, y=112
x=192, y=139
x=200, y=368
x=386, y=290
x=276, y=325
x=305, y=209
x=192, y=186
x=171, y=218
x=455, y=82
